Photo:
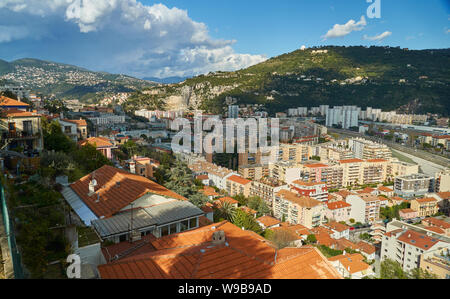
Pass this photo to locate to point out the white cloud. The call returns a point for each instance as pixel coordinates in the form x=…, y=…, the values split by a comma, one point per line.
x=10, y=33
x=130, y=37
x=343, y=30
x=378, y=37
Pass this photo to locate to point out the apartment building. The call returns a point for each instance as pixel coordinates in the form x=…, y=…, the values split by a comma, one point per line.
x=442, y=181
x=317, y=191
x=360, y=172
x=352, y=266
x=398, y=168
x=436, y=262
x=405, y=244
x=236, y=185
x=296, y=153
x=332, y=175
x=266, y=188
x=329, y=153
x=297, y=209
x=412, y=185
x=365, y=208
x=69, y=129
x=285, y=171
x=142, y=166
x=338, y=211
x=254, y=172
x=366, y=149
x=425, y=207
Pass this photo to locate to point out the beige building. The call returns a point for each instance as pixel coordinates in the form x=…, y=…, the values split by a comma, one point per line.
x=437, y=262
x=398, y=168
x=298, y=210
x=21, y=129
x=254, y=172
x=285, y=171
x=365, y=208
x=236, y=185
x=294, y=152
x=425, y=207
x=442, y=181
x=266, y=188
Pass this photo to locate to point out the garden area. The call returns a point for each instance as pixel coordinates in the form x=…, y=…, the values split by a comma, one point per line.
x=39, y=221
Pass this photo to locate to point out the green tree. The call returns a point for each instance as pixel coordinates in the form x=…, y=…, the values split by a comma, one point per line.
x=259, y=205
x=226, y=211
x=242, y=219
x=311, y=239
x=54, y=138
x=282, y=238
x=198, y=199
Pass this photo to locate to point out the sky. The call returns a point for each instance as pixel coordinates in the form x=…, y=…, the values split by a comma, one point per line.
x=144, y=38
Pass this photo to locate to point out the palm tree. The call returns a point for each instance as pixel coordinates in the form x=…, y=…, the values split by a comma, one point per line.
x=227, y=211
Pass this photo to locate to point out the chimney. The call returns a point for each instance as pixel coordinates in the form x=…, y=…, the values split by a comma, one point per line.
x=98, y=198
x=92, y=185
x=218, y=237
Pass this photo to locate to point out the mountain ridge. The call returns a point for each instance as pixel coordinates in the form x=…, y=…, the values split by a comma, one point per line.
x=390, y=78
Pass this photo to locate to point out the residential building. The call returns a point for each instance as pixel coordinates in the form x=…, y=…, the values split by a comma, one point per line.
x=285, y=171
x=398, y=168
x=338, y=230
x=109, y=191
x=367, y=250
x=425, y=207
x=436, y=262
x=243, y=255
x=442, y=182
x=143, y=166
x=439, y=223
x=102, y=144
x=266, y=188
x=268, y=222
x=414, y=185
x=317, y=191
x=366, y=149
x=217, y=175
x=21, y=130
x=338, y=211
x=406, y=214
x=236, y=185
x=386, y=191
x=297, y=209
x=254, y=172
x=365, y=208
x=405, y=244
x=352, y=266
x=69, y=129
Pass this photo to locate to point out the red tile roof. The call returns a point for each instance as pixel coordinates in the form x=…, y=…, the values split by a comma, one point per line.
x=436, y=222
x=385, y=189
x=338, y=205
x=336, y=226
x=366, y=247
x=426, y=199
x=5, y=102
x=78, y=122
x=246, y=255
x=239, y=180
x=113, y=197
x=97, y=142
x=303, y=201
x=354, y=262
x=351, y=161
x=435, y=229
x=18, y=113
x=416, y=239
x=268, y=221
x=444, y=195
x=228, y=199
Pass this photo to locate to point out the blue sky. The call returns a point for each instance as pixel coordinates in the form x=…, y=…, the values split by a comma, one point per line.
x=189, y=37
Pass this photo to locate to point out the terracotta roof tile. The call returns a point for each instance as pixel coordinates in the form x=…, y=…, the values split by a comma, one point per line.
x=191, y=255
x=416, y=239
x=336, y=226
x=97, y=142
x=239, y=180
x=268, y=221
x=303, y=201
x=113, y=197
x=338, y=205
x=5, y=101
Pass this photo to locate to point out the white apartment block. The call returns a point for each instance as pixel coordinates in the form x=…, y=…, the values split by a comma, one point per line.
x=106, y=119
x=405, y=244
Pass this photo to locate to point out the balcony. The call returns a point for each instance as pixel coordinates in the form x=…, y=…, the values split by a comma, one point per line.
x=20, y=135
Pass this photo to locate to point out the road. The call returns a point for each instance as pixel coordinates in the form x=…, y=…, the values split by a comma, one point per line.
x=424, y=156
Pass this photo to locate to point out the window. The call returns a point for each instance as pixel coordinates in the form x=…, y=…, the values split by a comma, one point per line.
x=173, y=228
x=193, y=223
x=164, y=231
x=28, y=126
x=184, y=225
x=122, y=238
x=67, y=130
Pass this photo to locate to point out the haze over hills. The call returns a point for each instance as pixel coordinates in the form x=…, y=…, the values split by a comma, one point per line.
x=168, y=80
x=411, y=81
x=66, y=81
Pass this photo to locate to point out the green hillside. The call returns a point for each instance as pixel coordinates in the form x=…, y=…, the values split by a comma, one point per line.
x=380, y=77
x=67, y=81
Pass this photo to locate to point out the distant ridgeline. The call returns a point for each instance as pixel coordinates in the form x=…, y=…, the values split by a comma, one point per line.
x=383, y=77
